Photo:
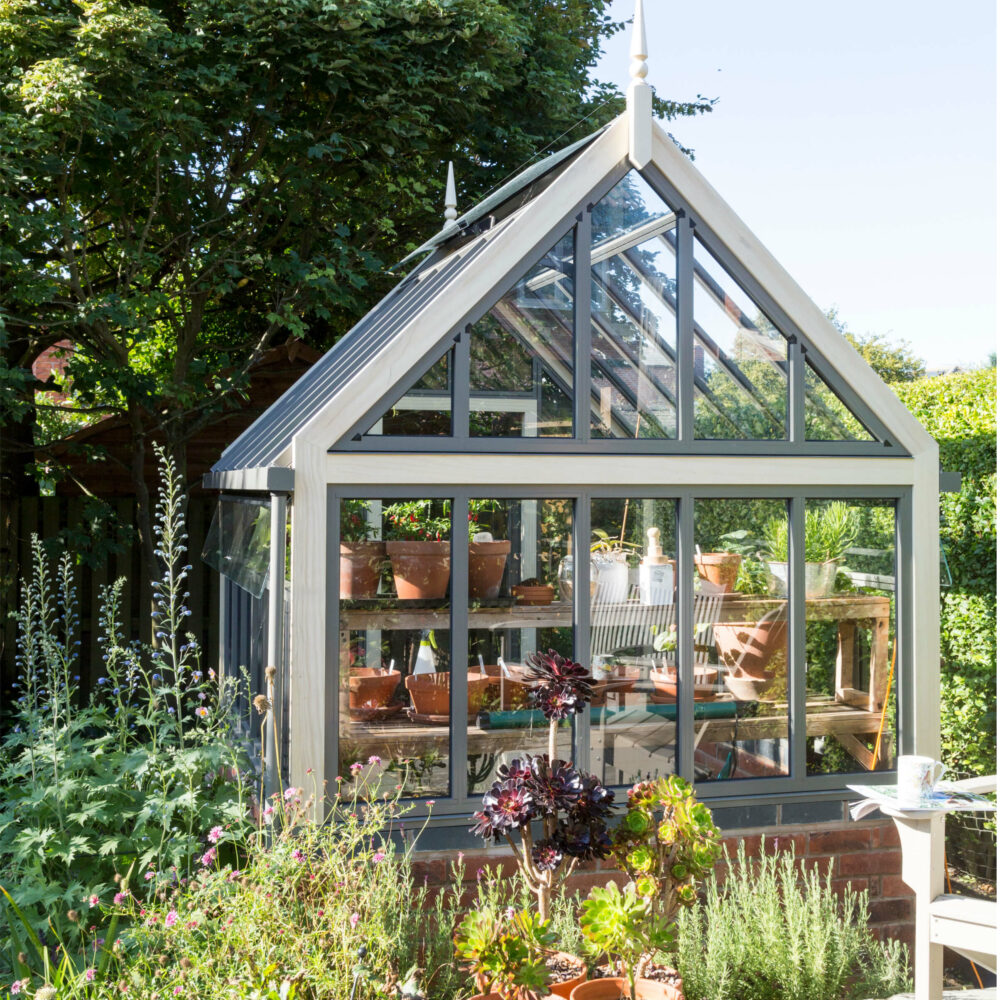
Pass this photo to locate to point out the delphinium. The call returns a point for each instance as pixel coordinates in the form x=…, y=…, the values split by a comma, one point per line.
x=570, y=806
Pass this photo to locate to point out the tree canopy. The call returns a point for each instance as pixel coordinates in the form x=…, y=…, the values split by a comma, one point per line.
x=186, y=182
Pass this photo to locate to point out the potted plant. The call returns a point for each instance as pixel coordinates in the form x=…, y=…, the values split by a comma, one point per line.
x=664, y=677
x=719, y=569
x=361, y=557
x=609, y=568
x=570, y=806
x=506, y=953
x=622, y=924
x=417, y=545
x=487, y=556
x=370, y=690
x=830, y=532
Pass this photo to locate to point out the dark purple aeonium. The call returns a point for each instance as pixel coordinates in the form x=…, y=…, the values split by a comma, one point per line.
x=565, y=687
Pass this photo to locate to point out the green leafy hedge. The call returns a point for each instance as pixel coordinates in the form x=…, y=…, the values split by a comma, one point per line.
x=960, y=411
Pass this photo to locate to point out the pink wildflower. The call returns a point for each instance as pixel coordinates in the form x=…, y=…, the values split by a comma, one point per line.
x=355, y=917
x=374, y=759
x=290, y=794
x=17, y=986
x=94, y=900
x=430, y=802
x=89, y=975
x=208, y=857
x=297, y=855
x=268, y=814
x=215, y=835
x=356, y=767
x=378, y=856
x=120, y=897
x=171, y=918
x=178, y=990
x=150, y=874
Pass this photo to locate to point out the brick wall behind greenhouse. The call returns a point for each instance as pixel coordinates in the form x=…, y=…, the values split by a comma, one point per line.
x=863, y=855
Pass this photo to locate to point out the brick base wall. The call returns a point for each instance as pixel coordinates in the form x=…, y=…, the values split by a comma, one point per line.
x=864, y=855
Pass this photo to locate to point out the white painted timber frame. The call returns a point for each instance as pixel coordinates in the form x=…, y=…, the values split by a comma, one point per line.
x=313, y=684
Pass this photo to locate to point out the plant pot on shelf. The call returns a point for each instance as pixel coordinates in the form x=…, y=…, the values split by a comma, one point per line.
x=820, y=579
x=533, y=594
x=751, y=647
x=619, y=680
x=720, y=569
x=371, y=688
x=420, y=570
x=514, y=690
x=487, y=561
x=431, y=694
x=665, y=682
x=360, y=569
x=609, y=576
x=746, y=688
x=614, y=988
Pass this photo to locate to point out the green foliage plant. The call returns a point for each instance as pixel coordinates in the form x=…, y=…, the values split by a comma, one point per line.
x=830, y=531
x=666, y=843
x=136, y=777
x=506, y=951
x=769, y=930
x=623, y=925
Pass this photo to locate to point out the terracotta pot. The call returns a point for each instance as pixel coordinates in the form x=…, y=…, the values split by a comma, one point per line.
x=665, y=682
x=420, y=569
x=431, y=693
x=720, y=569
x=617, y=989
x=360, y=569
x=515, y=689
x=751, y=646
x=371, y=688
x=486, y=565
x=534, y=594
x=496, y=996
x=747, y=688
x=621, y=680
x=566, y=987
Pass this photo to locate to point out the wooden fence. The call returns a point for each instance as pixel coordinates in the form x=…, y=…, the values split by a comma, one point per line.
x=48, y=517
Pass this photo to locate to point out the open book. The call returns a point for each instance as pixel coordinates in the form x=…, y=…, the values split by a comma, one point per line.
x=943, y=799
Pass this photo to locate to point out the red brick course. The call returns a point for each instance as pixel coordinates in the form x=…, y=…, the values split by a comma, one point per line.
x=864, y=856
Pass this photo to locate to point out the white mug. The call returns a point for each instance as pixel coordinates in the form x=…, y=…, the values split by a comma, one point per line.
x=917, y=777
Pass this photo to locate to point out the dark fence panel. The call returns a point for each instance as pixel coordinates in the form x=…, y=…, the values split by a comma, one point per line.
x=46, y=517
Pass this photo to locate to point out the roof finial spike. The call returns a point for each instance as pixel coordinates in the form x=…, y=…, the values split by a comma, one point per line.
x=639, y=51
x=450, y=200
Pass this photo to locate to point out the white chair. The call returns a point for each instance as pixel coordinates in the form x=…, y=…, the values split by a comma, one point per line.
x=943, y=920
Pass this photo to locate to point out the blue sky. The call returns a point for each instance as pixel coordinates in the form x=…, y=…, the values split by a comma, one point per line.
x=858, y=141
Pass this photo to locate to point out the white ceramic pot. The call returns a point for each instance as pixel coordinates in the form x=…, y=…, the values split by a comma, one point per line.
x=820, y=579
x=609, y=572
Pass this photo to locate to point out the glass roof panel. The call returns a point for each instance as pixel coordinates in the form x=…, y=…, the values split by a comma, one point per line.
x=827, y=418
x=740, y=360
x=424, y=410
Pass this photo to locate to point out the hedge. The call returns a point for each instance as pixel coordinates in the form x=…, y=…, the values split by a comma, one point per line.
x=960, y=411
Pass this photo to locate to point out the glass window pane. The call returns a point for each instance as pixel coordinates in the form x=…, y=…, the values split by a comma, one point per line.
x=516, y=609
x=239, y=543
x=740, y=360
x=633, y=638
x=633, y=314
x=395, y=644
x=741, y=643
x=827, y=418
x=424, y=409
x=850, y=575
x=521, y=373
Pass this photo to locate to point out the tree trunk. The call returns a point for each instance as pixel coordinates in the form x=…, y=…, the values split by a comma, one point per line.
x=144, y=504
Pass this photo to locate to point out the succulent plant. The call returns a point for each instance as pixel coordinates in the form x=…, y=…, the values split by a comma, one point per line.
x=547, y=855
x=666, y=843
x=566, y=687
x=507, y=806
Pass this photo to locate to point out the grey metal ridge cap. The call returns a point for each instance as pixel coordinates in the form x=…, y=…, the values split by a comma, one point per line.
x=269, y=479
x=498, y=197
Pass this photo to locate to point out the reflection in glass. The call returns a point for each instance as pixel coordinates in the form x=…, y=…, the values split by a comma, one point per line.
x=741, y=641
x=740, y=360
x=633, y=313
x=521, y=370
x=850, y=577
x=515, y=610
x=827, y=418
x=395, y=645
x=424, y=409
x=633, y=639
x=239, y=542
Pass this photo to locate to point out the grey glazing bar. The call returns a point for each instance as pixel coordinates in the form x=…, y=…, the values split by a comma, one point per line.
x=460, y=365
x=797, y=637
x=333, y=667
x=906, y=672
x=581, y=331
x=685, y=332
x=581, y=615
x=685, y=645
x=458, y=598
x=796, y=394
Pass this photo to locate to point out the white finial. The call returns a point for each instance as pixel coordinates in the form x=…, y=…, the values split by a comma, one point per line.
x=450, y=200
x=639, y=51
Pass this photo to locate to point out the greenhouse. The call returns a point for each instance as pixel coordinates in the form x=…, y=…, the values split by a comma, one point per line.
x=596, y=417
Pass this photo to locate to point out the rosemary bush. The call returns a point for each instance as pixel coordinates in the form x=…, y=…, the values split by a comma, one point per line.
x=768, y=931
x=133, y=778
